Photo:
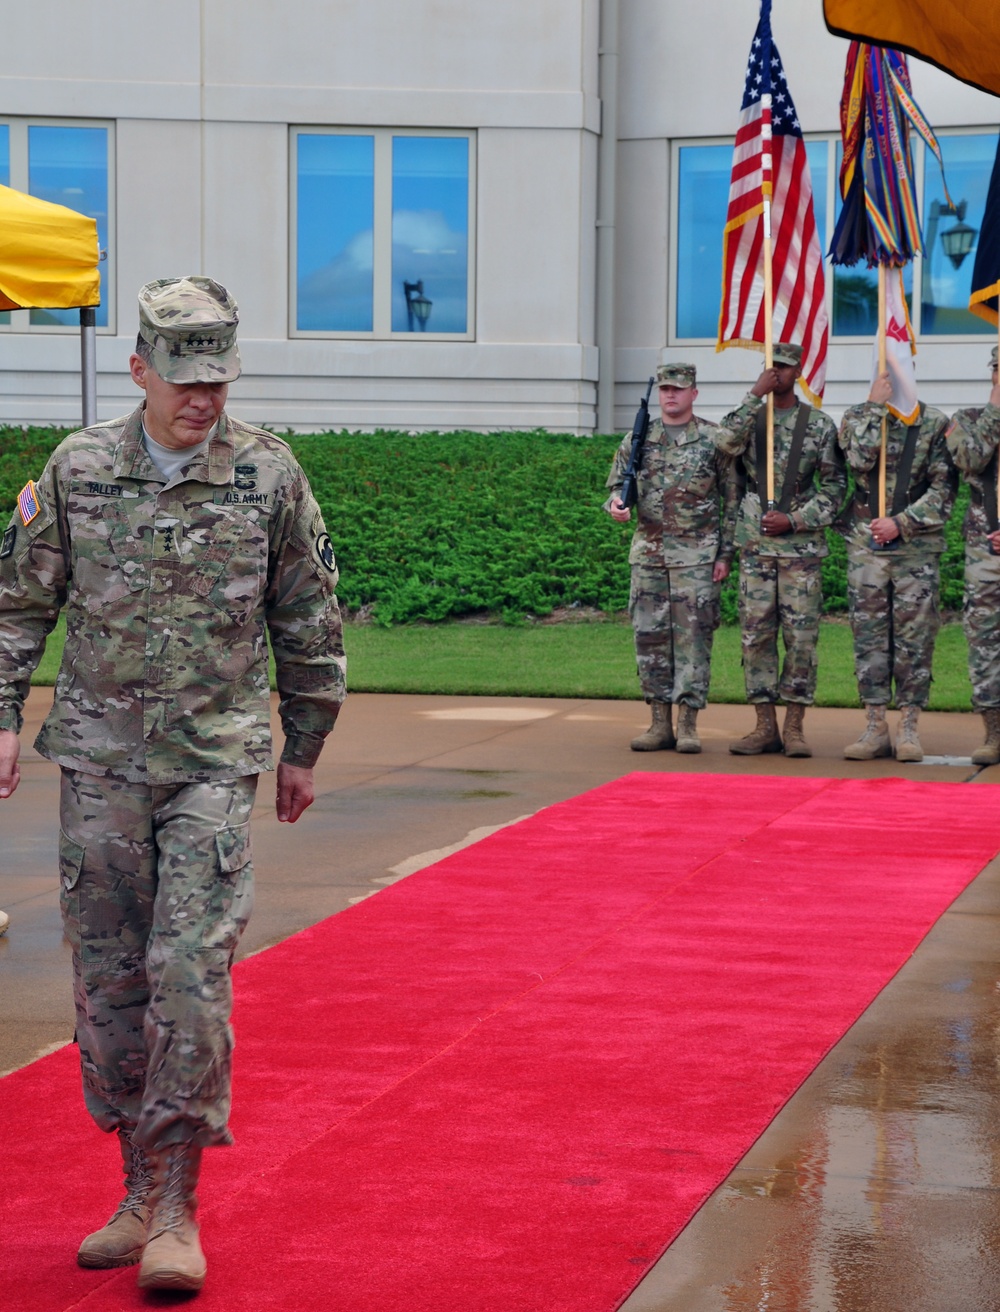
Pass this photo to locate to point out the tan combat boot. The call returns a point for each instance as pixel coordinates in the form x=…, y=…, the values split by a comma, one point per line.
x=120, y=1242
x=659, y=737
x=795, y=743
x=875, y=739
x=907, y=743
x=764, y=737
x=687, y=730
x=989, y=753
x=172, y=1258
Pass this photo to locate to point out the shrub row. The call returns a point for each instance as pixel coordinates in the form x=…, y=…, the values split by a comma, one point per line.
x=433, y=526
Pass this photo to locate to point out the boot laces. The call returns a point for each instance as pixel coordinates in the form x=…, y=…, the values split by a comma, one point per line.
x=171, y=1206
x=138, y=1180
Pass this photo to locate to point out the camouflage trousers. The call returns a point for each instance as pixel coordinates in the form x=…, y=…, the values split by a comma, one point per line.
x=893, y=597
x=783, y=593
x=981, y=620
x=674, y=613
x=156, y=890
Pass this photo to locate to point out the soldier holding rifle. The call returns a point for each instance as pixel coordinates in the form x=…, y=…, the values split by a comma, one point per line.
x=681, y=552
x=782, y=548
x=973, y=440
x=893, y=556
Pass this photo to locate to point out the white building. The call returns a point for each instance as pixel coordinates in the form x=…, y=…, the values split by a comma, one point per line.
x=344, y=168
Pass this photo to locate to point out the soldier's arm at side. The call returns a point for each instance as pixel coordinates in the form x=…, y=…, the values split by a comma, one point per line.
x=33, y=583
x=306, y=632
x=614, y=483
x=729, y=506
x=973, y=437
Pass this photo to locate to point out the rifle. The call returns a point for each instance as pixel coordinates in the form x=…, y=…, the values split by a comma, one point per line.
x=630, y=484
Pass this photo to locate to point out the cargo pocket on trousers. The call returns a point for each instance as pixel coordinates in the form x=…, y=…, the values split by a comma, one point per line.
x=233, y=847
x=71, y=856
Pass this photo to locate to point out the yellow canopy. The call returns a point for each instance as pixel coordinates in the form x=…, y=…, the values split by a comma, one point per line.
x=48, y=255
x=961, y=36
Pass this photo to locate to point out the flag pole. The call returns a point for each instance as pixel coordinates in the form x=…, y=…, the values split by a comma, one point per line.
x=881, y=370
x=767, y=163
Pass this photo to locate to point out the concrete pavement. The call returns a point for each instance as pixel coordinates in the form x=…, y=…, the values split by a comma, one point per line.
x=878, y=1186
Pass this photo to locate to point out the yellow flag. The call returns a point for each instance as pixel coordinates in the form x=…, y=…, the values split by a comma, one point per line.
x=48, y=254
x=960, y=36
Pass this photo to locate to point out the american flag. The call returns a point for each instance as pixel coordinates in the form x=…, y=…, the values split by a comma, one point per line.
x=27, y=503
x=770, y=164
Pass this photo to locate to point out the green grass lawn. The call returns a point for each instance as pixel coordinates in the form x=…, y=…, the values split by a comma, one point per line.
x=576, y=660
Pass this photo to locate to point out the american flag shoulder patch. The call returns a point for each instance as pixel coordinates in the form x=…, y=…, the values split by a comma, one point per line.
x=27, y=503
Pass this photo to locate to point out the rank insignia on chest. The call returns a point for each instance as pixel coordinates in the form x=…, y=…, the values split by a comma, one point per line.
x=27, y=503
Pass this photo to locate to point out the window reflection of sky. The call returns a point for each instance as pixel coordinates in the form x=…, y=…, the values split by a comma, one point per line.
x=430, y=227
x=336, y=215
x=945, y=291
x=69, y=166
x=336, y=221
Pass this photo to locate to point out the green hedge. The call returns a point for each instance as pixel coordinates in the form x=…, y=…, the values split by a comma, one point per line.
x=433, y=526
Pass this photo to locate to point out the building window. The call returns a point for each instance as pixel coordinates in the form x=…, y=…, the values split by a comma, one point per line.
x=943, y=275
x=68, y=164
x=951, y=235
x=382, y=233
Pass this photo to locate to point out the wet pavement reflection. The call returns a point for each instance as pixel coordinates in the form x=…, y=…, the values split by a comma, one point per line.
x=878, y=1185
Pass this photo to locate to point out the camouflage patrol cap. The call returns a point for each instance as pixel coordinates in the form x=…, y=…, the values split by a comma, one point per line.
x=993, y=358
x=190, y=324
x=787, y=353
x=676, y=375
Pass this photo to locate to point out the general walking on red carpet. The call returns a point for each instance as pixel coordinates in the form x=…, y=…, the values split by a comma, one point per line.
x=173, y=537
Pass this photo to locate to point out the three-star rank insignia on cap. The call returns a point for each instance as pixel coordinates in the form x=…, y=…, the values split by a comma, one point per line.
x=324, y=549
x=27, y=503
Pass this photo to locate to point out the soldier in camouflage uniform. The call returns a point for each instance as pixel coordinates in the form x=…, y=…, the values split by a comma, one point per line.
x=176, y=539
x=974, y=440
x=781, y=551
x=681, y=552
x=893, y=564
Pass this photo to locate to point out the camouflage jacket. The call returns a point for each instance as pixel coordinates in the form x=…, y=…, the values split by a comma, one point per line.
x=933, y=481
x=168, y=588
x=973, y=438
x=820, y=484
x=687, y=497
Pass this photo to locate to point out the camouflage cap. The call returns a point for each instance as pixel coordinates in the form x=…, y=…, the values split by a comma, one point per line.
x=676, y=375
x=190, y=323
x=993, y=358
x=787, y=353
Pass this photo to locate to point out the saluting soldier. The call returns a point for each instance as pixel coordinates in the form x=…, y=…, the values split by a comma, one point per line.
x=177, y=539
x=973, y=440
x=782, y=548
x=893, y=564
x=681, y=552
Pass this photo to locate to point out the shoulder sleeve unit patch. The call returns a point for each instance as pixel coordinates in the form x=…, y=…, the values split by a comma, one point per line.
x=27, y=503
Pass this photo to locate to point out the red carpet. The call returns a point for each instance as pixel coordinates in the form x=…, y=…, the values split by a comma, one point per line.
x=505, y=1083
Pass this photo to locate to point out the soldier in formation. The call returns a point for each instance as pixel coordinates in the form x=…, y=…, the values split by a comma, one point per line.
x=782, y=548
x=893, y=561
x=973, y=439
x=681, y=552
x=176, y=539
